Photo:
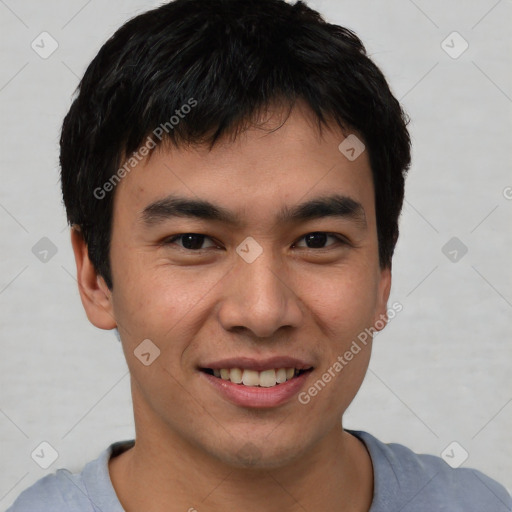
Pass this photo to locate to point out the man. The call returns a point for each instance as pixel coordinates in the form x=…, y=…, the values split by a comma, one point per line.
x=233, y=172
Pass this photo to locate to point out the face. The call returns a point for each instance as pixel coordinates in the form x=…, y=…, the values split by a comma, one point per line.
x=254, y=286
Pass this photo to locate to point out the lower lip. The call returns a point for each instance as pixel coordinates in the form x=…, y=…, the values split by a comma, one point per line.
x=254, y=396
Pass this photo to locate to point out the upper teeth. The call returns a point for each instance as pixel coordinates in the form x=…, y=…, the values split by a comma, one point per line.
x=265, y=379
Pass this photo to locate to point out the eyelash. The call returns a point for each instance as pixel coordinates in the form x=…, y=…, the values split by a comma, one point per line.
x=340, y=239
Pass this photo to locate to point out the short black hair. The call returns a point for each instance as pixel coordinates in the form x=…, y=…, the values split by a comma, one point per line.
x=227, y=61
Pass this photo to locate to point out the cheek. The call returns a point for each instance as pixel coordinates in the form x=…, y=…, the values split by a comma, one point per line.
x=345, y=306
x=336, y=384
x=152, y=309
x=153, y=293
x=162, y=304
x=343, y=303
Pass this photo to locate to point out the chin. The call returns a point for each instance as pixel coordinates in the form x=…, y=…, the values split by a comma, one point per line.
x=259, y=455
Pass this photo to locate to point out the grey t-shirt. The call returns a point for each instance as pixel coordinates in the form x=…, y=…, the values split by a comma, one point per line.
x=403, y=481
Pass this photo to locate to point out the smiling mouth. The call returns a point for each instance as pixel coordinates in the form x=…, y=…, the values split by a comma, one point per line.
x=252, y=378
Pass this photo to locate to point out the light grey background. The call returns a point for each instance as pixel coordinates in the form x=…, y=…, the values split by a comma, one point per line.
x=440, y=371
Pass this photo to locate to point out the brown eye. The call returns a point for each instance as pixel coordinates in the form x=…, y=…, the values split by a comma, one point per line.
x=318, y=239
x=190, y=241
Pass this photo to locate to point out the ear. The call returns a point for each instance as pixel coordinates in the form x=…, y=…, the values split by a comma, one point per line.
x=384, y=288
x=95, y=294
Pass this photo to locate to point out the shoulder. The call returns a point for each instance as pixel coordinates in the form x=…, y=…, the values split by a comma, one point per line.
x=421, y=482
x=61, y=491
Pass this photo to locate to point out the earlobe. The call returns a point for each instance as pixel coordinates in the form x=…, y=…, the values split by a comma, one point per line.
x=381, y=314
x=94, y=293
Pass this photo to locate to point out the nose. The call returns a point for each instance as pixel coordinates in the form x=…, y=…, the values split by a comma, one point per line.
x=259, y=297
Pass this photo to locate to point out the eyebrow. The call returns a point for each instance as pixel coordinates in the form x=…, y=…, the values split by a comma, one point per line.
x=335, y=205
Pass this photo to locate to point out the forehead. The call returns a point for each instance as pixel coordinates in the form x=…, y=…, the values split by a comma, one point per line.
x=265, y=168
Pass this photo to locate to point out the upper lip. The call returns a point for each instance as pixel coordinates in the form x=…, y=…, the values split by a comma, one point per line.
x=259, y=365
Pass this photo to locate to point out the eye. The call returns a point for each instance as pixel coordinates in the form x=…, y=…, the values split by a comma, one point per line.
x=190, y=241
x=317, y=240
x=195, y=241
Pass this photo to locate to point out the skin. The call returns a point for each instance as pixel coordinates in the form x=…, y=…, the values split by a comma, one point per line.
x=292, y=300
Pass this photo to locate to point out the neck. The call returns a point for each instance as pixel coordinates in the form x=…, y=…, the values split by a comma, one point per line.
x=162, y=468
